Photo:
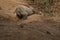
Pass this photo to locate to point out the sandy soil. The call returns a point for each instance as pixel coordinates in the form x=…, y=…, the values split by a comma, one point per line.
x=35, y=27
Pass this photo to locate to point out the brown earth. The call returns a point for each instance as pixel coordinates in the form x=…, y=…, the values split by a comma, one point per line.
x=35, y=27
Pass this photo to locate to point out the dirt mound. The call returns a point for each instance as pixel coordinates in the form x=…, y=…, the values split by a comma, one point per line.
x=7, y=8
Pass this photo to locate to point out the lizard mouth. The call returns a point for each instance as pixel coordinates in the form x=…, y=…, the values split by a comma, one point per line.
x=20, y=16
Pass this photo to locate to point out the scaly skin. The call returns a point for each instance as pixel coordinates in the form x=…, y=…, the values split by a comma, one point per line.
x=23, y=11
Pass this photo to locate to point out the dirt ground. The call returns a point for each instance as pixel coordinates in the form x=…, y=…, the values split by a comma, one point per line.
x=35, y=27
x=47, y=29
